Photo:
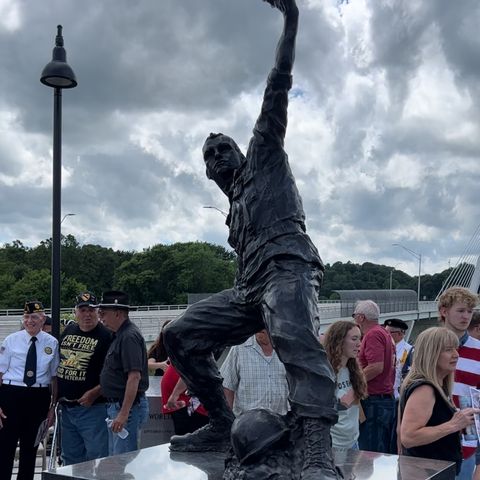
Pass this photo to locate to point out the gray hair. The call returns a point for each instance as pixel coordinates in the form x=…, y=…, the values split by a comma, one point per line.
x=368, y=308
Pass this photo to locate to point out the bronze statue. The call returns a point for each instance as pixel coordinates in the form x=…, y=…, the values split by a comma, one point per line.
x=276, y=287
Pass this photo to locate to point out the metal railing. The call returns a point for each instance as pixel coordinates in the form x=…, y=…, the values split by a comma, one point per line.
x=4, y=312
x=150, y=318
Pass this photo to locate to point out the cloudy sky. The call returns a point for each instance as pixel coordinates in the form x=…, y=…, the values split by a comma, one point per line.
x=383, y=134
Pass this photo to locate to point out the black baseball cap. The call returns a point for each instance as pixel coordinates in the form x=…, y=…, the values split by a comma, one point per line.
x=85, y=299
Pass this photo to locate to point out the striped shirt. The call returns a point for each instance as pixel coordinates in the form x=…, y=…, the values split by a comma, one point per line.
x=467, y=374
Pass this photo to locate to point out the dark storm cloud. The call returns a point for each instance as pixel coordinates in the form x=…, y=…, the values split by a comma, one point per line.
x=140, y=55
x=382, y=162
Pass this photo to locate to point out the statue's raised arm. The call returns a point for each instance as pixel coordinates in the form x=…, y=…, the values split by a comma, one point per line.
x=272, y=121
x=286, y=45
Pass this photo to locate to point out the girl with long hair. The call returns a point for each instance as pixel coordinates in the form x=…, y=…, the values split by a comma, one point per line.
x=157, y=355
x=342, y=344
x=430, y=425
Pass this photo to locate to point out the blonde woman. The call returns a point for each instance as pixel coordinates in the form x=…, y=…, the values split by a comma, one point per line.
x=430, y=424
x=342, y=344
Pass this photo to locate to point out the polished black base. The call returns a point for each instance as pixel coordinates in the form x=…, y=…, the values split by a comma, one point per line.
x=158, y=463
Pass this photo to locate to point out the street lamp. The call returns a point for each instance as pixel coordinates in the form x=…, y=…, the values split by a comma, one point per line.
x=391, y=274
x=58, y=75
x=225, y=214
x=418, y=256
x=67, y=215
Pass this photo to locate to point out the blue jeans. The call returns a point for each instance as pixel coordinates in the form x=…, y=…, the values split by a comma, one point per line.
x=376, y=430
x=136, y=419
x=468, y=466
x=84, y=434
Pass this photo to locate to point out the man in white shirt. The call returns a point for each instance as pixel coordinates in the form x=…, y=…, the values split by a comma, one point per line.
x=254, y=377
x=397, y=329
x=28, y=366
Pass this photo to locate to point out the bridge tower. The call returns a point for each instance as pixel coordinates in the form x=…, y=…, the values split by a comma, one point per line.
x=475, y=281
x=466, y=272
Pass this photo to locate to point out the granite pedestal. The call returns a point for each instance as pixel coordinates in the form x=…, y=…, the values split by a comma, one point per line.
x=159, y=427
x=157, y=463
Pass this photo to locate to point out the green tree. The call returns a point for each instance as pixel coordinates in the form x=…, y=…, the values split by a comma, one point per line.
x=69, y=290
x=7, y=280
x=15, y=252
x=96, y=266
x=164, y=274
x=41, y=255
x=144, y=277
x=35, y=284
x=201, y=268
x=71, y=256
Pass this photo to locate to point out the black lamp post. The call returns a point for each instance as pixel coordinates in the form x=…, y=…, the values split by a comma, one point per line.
x=58, y=75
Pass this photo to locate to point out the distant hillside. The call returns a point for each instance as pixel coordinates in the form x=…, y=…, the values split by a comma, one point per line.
x=164, y=274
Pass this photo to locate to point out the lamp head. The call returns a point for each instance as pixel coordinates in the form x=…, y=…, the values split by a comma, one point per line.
x=58, y=73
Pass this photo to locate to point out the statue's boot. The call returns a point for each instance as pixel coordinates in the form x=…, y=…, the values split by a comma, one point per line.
x=213, y=437
x=318, y=461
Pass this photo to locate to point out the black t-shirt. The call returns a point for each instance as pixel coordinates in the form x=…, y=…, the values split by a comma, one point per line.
x=126, y=353
x=82, y=355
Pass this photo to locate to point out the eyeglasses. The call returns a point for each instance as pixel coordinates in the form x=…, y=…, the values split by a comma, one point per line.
x=395, y=331
x=103, y=311
x=355, y=314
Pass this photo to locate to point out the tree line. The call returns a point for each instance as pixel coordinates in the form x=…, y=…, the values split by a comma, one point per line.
x=370, y=276
x=164, y=274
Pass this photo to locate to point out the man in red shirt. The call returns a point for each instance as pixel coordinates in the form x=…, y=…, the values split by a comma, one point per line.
x=377, y=359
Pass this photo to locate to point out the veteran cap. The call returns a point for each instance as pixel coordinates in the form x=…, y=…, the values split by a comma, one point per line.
x=33, y=306
x=396, y=323
x=85, y=299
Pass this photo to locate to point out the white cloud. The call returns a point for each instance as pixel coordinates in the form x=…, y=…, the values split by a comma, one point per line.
x=10, y=18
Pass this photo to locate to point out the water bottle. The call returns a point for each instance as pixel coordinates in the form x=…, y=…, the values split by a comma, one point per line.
x=123, y=433
x=465, y=401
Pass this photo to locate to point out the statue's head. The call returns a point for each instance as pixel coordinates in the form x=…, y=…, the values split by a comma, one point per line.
x=222, y=157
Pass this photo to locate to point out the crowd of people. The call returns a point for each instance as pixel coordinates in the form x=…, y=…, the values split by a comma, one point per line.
x=415, y=401
x=391, y=397
x=94, y=378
